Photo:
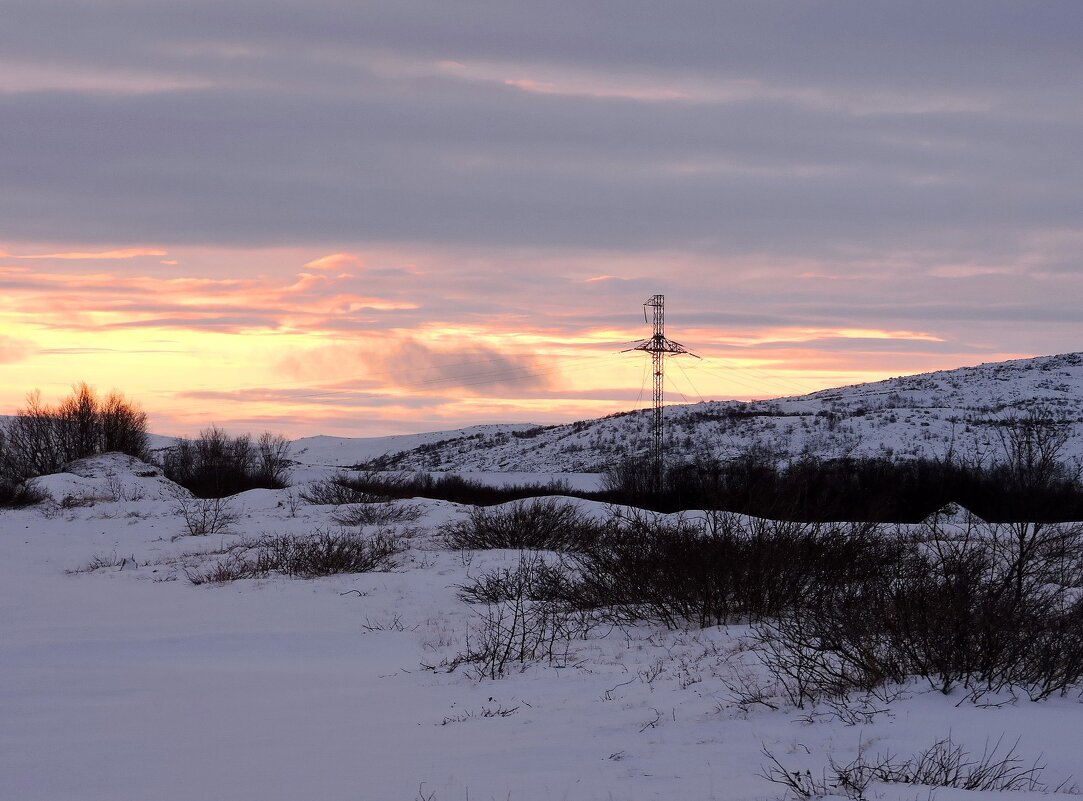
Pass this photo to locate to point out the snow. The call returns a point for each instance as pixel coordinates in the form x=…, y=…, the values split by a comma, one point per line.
x=130, y=682
x=123, y=680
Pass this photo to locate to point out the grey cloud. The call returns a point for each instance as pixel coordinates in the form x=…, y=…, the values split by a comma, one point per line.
x=878, y=140
x=929, y=42
x=311, y=137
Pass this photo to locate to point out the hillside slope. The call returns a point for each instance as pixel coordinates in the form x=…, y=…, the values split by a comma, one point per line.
x=928, y=415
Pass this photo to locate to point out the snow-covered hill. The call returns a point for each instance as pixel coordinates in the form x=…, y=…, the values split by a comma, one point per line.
x=927, y=415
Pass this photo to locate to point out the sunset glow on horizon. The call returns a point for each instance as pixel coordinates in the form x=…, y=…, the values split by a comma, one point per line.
x=387, y=344
x=363, y=221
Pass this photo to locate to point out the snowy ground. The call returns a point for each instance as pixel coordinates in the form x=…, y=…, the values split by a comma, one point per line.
x=129, y=682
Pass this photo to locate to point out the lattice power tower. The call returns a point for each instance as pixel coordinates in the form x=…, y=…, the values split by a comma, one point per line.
x=658, y=347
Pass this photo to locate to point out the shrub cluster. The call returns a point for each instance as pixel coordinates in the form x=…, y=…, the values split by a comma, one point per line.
x=540, y=523
x=203, y=516
x=377, y=513
x=720, y=568
x=374, y=485
x=1029, y=477
x=339, y=490
x=215, y=464
x=533, y=578
x=836, y=607
x=945, y=763
x=884, y=490
x=527, y=617
x=42, y=439
x=518, y=632
x=323, y=553
x=989, y=609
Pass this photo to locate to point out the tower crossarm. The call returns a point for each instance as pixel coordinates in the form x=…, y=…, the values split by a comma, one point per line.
x=659, y=344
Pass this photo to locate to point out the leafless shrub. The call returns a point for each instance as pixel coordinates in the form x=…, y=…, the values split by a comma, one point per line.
x=948, y=608
x=101, y=561
x=14, y=490
x=943, y=764
x=525, y=619
x=118, y=492
x=539, y=523
x=393, y=624
x=519, y=632
x=532, y=578
x=497, y=711
x=343, y=488
x=339, y=490
x=717, y=569
x=215, y=464
x=748, y=688
x=376, y=513
x=203, y=516
x=272, y=467
x=231, y=567
x=41, y=439
x=322, y=553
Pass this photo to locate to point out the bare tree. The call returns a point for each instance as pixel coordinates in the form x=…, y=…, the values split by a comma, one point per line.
x=42, y=439
x=1032, y=451
x=272, y=457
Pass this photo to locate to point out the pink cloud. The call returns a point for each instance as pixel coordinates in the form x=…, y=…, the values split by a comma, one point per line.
x=13, y=350
x=335, y=262
x=311, y=302
x=80, y=255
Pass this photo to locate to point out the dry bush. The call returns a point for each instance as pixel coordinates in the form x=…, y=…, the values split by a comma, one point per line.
x=948, y=608
x=945, y=763
x=540, y=523
x=323, y=553
x=532, y=578
x=339, y=490
x=716, y=569
x=203, y=516
x=519, y=632
x=377, y=513
x=216, y=465
x=101, y=561
x=837, y=608
x=14, y=490
x=359, y=507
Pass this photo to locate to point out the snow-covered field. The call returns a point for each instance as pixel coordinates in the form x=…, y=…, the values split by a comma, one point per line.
x=129, y=682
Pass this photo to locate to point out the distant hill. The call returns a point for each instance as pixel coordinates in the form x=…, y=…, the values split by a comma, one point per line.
x=927, y=415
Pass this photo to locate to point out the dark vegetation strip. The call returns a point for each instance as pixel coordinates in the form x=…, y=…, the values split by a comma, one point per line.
x=836, y=608
x=808, y=490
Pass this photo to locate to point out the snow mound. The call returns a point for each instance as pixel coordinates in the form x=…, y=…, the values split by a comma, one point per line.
x=952, y=514
x=110, y=477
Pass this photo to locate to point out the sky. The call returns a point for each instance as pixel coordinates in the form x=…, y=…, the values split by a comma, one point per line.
x=365, y=218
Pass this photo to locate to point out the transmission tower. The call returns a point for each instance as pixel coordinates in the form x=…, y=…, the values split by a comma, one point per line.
x=658, y=347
